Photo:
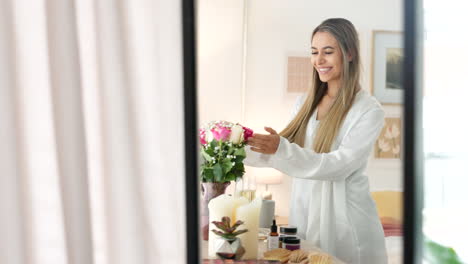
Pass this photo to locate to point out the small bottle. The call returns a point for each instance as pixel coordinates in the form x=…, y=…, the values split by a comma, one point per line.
x=273, y=237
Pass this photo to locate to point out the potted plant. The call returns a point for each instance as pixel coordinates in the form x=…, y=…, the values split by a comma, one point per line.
x=222, y=151
x=227, y=245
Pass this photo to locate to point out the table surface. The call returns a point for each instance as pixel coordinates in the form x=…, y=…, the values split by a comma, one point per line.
x=262, y=247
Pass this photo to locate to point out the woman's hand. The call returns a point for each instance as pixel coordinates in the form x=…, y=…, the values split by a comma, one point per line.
x=266, y=144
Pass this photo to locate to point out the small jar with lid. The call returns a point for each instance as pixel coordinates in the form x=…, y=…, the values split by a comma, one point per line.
x=291, y=243
x=290, y=231
x=287, y=231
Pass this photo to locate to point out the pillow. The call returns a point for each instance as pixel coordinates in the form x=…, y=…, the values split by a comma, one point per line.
x=389, y=207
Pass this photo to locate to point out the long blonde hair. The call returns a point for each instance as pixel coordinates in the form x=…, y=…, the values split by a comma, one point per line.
x=346, y=35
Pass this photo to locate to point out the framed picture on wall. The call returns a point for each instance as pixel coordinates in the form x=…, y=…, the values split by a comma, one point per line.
x=389, y=142
x=299, y=74
x=387, y=66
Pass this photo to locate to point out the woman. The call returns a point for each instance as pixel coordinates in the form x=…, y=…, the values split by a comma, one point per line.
x=325, y=149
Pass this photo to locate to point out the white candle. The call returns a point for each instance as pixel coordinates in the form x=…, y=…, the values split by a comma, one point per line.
x=250, y=214
x=223, y=205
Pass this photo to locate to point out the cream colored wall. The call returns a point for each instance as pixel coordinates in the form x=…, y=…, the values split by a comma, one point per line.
x=277, y=29
x=219, y=59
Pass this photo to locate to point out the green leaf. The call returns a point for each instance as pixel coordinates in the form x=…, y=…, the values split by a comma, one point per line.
x=240, y=159
x=230, y=176
x=213, y=144
x=221, y=225
x=237, y=224
x=205, y=155
x=218, y=173
x=207, y=174
x=226, y=221
x=240, y=232
x=240, y=152
x=217, y=232
x=441, y=254
x=230, y=150
x=238, y=169
x=227, y=165
x=239, y=166
x=210, y=151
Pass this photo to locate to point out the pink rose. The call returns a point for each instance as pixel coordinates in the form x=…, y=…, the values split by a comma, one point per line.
x=248, y=133
x=221, y=133
x=202, y=133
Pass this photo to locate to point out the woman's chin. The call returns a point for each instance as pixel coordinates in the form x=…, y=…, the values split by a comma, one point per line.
x=323, y=79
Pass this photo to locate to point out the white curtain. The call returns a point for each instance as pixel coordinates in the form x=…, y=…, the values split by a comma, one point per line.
x=91, y=132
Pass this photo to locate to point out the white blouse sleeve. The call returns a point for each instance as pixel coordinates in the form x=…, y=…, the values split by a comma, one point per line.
x=336, y=165
x=256, y=159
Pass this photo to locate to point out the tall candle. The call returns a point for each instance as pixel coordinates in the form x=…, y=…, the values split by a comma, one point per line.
x=223, y=205
x=250, y=215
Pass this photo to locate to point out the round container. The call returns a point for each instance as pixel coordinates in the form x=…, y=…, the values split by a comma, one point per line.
x=288, y=230
x=291, y=243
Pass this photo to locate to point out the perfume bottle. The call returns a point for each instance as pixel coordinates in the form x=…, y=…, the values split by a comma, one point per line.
x=273, y=237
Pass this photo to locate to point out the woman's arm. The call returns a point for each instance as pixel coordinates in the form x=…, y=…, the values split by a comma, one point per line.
x=354, y=150
x=256, y=159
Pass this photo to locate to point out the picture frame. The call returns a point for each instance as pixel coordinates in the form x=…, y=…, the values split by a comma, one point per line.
x=387, y=67
x=298, y=73
x=390, y=141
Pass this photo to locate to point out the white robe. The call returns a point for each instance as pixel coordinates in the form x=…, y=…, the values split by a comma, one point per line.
x=330, y=199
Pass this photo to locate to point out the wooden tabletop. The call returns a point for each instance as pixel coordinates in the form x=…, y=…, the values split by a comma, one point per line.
x=262, y=247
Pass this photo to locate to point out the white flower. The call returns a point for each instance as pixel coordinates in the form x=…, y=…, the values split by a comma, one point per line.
x=209, y=136
x=395, y=131
x=233, y=163
x=237, y=134
x=396, y=150
x=392, y=132
x=388, y=133
x=383, y=145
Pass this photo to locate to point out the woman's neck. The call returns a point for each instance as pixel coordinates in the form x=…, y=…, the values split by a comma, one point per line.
x=333, y=89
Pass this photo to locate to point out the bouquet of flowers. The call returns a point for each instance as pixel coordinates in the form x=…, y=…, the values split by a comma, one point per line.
x=223, y=151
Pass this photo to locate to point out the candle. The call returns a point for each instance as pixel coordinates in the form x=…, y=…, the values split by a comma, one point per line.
x=223, y=205
x=250, y=214
x=267, y=213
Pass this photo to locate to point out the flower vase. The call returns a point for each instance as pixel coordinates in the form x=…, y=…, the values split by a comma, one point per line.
x=210, y=190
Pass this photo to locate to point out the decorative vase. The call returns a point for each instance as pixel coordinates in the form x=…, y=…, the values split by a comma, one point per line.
x=229, y=248
x=210, y=190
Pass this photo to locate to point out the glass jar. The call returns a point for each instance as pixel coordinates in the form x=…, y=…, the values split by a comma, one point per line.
x=291, y=243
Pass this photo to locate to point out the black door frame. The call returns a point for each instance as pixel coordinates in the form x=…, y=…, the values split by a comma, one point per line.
x=191, y=128
x=413, y=157
x=413, y=162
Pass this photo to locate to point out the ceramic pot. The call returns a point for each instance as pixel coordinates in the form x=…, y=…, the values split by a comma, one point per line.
x=229, y=248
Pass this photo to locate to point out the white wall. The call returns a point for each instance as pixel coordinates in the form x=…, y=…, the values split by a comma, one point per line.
x=219, y=59
x=277, y=29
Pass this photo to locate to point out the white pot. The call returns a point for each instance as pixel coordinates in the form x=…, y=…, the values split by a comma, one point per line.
x=228, y=249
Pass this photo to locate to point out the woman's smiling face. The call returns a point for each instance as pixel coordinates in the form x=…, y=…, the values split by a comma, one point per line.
x=327, y=58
